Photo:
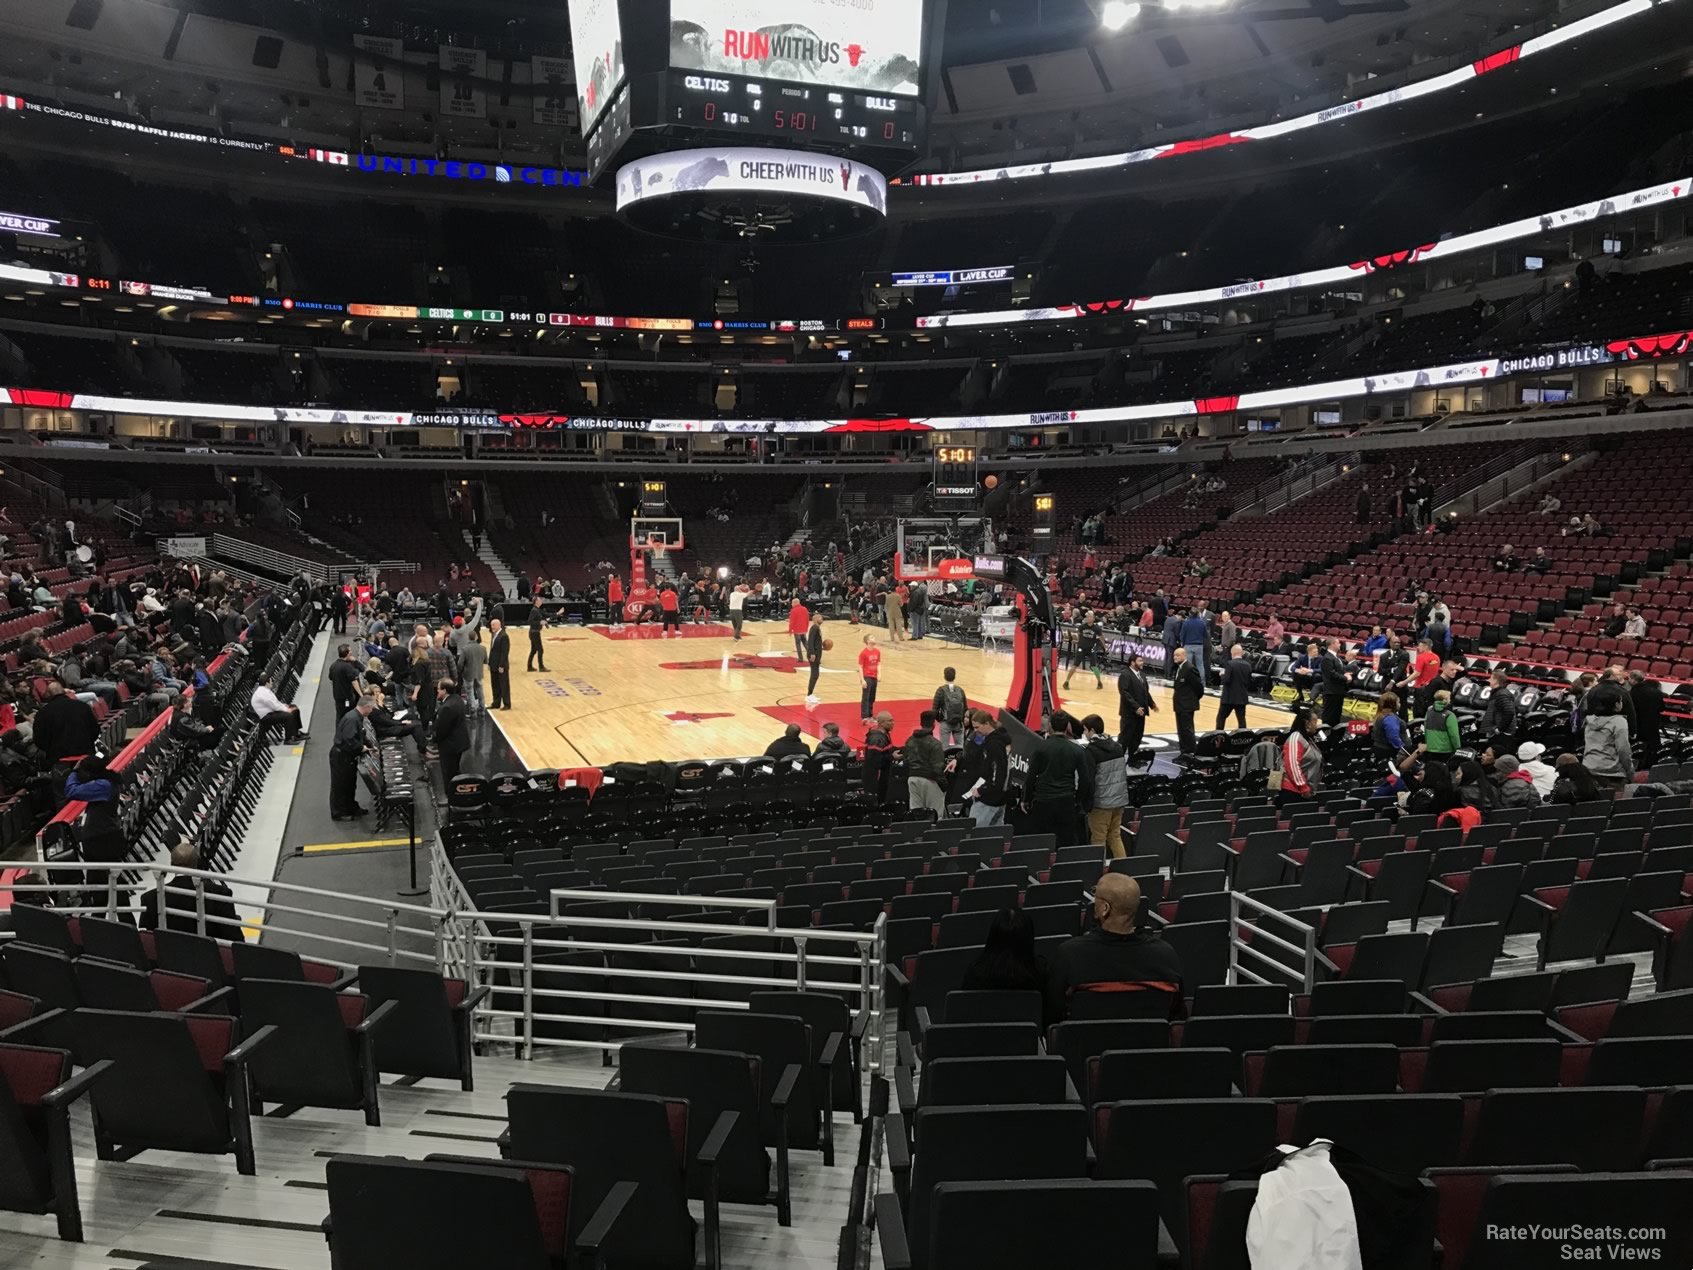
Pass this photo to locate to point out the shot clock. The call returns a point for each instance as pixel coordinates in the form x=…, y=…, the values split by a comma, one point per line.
x=954, y=472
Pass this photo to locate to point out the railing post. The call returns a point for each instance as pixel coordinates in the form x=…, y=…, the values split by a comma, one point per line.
x=1234, y=936
x=159, y=898
x=1310, y=959
x=528, y=991
x=393, y=937
x=799, y=952
x=111, y=894
x=200, y=905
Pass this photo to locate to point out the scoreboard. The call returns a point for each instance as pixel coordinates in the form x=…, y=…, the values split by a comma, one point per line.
x=955, y=484
x=655, y=498
x=844, y=78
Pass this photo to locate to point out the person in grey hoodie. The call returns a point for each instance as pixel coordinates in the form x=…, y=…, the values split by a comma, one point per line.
x=473, y=657
x=1110, y=785
x=1605, y=749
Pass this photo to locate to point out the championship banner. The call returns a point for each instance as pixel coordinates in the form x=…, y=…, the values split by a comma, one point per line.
x=554, y=103
x=378, y=75
x=462, y=74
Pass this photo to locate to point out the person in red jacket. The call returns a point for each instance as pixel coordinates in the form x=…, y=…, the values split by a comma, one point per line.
x=799, y=625
x=614, y=599
x=672, y=610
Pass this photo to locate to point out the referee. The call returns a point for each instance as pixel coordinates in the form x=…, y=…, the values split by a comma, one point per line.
x=814, y=655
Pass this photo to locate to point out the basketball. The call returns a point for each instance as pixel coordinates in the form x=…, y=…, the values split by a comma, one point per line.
x=828, y=644
x=991, y=481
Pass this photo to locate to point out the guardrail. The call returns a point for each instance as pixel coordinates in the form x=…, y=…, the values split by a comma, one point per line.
x=279, y=563
x=1244, y=937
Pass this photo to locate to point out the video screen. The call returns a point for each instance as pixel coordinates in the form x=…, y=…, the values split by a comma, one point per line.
x=596, y=37
x=873, y=46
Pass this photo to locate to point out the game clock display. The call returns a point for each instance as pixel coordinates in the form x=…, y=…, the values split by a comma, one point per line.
x=955, y=476
x=802, y=113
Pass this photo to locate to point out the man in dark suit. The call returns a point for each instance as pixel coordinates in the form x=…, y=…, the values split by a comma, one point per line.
x=344, y=680
x=340, y=604
x=452, y=730
x=182, y=906
x=1648, y=698
x=344, y=754
x=64, y=727
x=1188, y=690
x=1336, y=678
x=1134, y=703
x=1236, y=689
x=499, y=666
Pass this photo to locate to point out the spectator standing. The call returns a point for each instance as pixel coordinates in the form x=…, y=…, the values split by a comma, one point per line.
x=1236, y=688
x=1440, y=725
x=869, y=673
x=1425, y=669
x=63, y=727
x=1134, y=703
x=1187, y=691
x=878, y=754
x=1605, y=752
x=1228, y=634
x=344, y=679
x=894, y=603
x=452, y=730
x=918, y=608
x=1302, y=760
x=499, y=665
x=1647, y=697
x=473, y=659
x=986, y=795
x=1196, y=639
x=1499, y=715
x=1110, y=786
x=1172, y=639
x=799, y=623
x=1336, y=679
x=1056, y=783
x=951, y=707
x=925, y=767
x=1387, y=733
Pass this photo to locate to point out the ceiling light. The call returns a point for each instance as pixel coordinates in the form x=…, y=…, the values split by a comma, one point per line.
x=1117, y=14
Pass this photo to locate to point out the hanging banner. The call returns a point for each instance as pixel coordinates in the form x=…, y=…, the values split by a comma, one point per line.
x=378, y=79
x=555, y=94
x=462, y=74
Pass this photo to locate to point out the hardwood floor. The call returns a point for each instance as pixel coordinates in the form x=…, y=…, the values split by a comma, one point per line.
x=613, y=695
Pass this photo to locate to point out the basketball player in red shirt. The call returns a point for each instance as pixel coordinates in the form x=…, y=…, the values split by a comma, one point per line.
x=614, y=600
x=668, y=602
x=869, y=668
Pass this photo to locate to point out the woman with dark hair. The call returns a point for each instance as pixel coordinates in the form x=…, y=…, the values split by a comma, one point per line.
x=1302, y=761
x=1007, y=962
x=1437, y=795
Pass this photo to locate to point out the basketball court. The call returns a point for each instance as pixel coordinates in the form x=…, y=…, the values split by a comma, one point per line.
x=611, y=695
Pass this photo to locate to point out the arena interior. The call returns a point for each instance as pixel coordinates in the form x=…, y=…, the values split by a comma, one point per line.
x=981, y=634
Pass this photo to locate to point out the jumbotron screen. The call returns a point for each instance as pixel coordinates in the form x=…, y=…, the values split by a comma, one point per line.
x=596, y=37
x=870, y=46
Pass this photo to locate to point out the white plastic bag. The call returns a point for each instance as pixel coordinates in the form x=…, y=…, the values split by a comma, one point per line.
x=1303, y=1219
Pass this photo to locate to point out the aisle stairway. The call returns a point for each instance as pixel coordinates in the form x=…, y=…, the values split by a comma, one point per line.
x=503, y=572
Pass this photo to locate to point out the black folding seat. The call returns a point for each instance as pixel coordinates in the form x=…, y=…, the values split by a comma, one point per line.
x=106, y=985
x=1204, y=951
x=45, y=974
x=1239, y=1033
x=1071, y=1223
x=1576, y=921
x=1399, y=956
x=1461, y=954
x=980, y=1040
x=1485, y=895
x=1365, y=1029
x=611, y=1138
x=374, y=1202
x=261, y=961
x=996, y=1006
x=1399, y=1133
x=965, y=930
x=1505, y=992
x=1192, y=1135
x=962, y=1144
x=725, y=1093
x=1245, y=998
x=1655, y=1062
x=1578, y=985
x=1400, y=878
x=1355, y=995
x=1488, y=1025
x=46, y=928
x=1456, y=1067
x=1325, y=871
x=1514, y=1202
x=1078, y=1040
x=991, y=1081
x=1649, y=890
x=936, y=973
x=1261, y=860
x=114, y=941
x=1052, y=894
x=1349, y=922
x=1659, y=1014
x=323, y=1053
x=37, y=1171
x=857, y=915
x=828, y=1016
x=1297, y=1071
x=780, y=1041
x=988, y=897
x=1189, y=1072
x=429, y=1032
x=176, y=1082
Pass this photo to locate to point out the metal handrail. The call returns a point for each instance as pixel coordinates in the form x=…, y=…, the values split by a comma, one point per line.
x=1237, y=944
